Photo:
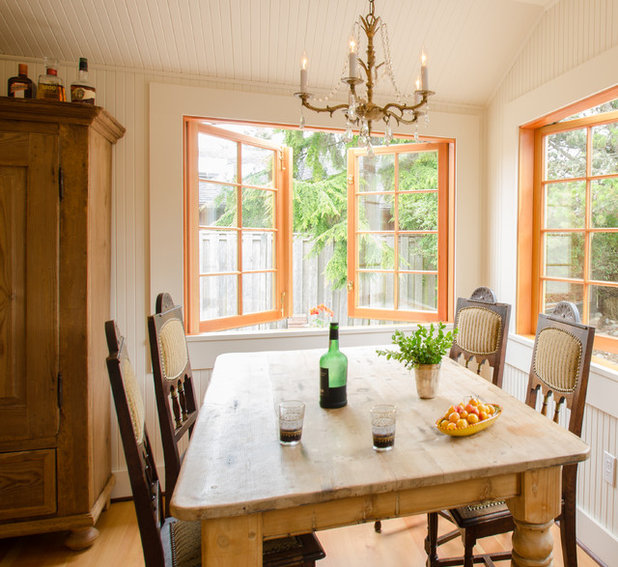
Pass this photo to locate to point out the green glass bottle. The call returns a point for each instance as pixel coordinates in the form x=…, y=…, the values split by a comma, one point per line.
x=333, y=373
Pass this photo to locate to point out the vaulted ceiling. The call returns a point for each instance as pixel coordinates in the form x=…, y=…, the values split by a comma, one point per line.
x=471, y=44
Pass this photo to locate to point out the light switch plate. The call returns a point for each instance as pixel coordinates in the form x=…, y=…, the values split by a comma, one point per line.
x=609, y=468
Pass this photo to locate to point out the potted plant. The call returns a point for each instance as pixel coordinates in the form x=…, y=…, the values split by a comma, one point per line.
x=422, y=350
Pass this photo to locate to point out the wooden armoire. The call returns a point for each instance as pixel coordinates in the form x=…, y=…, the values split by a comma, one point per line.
x=55, y=240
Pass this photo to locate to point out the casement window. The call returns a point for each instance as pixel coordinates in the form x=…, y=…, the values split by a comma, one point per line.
x=238, y=229
x=399, y=236
x=236, y=202
x=572, y=198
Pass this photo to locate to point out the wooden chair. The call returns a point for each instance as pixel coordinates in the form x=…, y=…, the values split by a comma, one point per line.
x=483, y=326
x=173, y=380
x=166, y=541
x=559, y=372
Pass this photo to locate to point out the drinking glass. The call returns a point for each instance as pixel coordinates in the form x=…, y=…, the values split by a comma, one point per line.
x=291, y=415
x=383, y=426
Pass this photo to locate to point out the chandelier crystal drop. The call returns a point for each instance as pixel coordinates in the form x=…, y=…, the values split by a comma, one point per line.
x=360, y=110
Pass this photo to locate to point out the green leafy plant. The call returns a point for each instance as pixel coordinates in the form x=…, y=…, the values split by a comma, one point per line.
x=427, y=345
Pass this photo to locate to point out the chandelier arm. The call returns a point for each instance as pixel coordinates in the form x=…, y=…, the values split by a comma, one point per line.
x=406, y=107
x=330, y=109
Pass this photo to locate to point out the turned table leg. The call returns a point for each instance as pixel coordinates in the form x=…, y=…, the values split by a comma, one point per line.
x=534, y=511
x=233, y=542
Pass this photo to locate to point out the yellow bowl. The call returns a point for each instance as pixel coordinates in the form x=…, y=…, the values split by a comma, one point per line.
x=474, y=428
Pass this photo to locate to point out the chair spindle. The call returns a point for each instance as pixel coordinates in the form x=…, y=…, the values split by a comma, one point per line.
x=183, y=399
x=175, y=406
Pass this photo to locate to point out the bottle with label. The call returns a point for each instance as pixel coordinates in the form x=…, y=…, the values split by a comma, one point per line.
x=333, y=373
x=51, y=86
x=82, y=90
x=21, y=86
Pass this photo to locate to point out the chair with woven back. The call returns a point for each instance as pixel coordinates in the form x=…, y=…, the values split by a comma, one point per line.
x=173, y=381
x=482, y=329
x=482, y=325
x=559, y=376
x=166, y=541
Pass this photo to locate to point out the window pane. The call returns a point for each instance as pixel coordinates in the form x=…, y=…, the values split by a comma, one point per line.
x=418, y=252
x=418, y=171
x=257, y=166
x=218, y=297
x=258, y=208
x=418, y=292
x=564, y=255
x=217, y=205
x=218, y=251
x=565, y=205
x=604, y=256
x=605, y=149
x=604, y=309
x=377, y=174
x=376, y=290
x=376, y=251
x=554, y=292
x=257, y=250
x=376, y=212
x=604, y=203
x=257, y=292
x=565, y=154
x=418, y=211
x=217, y=158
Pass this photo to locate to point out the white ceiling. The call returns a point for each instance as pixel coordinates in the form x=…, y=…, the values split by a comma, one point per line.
x=471, y=44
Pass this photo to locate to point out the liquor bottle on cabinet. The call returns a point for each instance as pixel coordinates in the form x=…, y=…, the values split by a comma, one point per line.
x=51, y=86
x=333, y=373
x=21, y=86
x=82, y=90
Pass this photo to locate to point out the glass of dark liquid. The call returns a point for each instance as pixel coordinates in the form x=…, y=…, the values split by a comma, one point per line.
x=383, y=426
x=291, y=415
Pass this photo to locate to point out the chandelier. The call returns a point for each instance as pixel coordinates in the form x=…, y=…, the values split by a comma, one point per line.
x=360, y=110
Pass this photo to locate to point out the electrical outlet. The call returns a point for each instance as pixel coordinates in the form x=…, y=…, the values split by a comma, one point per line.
x=609, y=468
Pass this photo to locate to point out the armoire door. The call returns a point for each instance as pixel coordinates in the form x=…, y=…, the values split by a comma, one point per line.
x=29, y=248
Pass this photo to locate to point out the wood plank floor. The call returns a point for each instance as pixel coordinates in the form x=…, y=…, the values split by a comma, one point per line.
x=399, y=545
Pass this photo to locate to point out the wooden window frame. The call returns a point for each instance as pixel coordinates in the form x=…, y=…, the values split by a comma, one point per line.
x=445, y=232
x=530, y=211
x=282, y=229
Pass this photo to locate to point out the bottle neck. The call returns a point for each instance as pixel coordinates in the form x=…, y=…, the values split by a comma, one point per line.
x=333, y=338
x=83, y=75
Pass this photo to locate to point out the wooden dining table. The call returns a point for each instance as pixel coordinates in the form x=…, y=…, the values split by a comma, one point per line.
x=245, y=487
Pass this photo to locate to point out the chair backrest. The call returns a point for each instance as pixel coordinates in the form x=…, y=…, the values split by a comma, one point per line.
x=483, y=326
x=561, y=363
x=137, y=450
x=173, y=380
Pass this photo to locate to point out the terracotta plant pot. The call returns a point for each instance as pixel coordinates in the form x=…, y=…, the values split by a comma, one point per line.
x=427, y=376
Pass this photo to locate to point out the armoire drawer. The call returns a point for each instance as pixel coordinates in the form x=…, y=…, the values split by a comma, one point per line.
x=27, y=483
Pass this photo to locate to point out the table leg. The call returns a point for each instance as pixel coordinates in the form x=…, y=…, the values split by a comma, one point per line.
x=534, y=511
x=233, y=542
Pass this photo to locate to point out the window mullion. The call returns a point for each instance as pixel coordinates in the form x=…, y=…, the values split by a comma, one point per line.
x=239, y=232
x=396, y=236
x=587, y=217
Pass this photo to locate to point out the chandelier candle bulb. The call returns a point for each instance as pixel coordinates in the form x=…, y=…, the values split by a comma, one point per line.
x=424, y=74
x=303, y=73
x=353, y=59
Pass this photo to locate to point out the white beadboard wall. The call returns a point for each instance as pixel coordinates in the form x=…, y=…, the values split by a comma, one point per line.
x=570, y=54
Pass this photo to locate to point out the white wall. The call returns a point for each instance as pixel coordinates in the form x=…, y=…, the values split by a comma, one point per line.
x=571, y=54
